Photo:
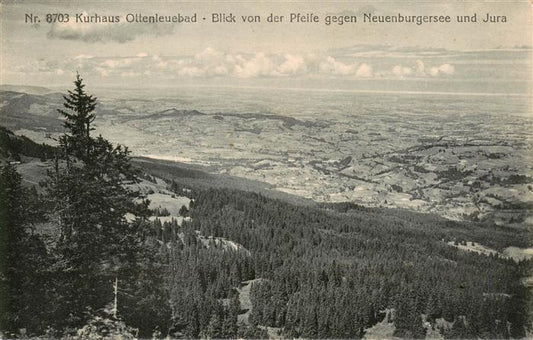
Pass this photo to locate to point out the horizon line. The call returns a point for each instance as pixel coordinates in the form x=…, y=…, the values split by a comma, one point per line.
x=297, y=89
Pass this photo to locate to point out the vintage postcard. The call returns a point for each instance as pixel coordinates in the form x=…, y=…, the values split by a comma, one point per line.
x=266, y=169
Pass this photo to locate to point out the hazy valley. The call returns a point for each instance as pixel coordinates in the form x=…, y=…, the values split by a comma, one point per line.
x=462, y=157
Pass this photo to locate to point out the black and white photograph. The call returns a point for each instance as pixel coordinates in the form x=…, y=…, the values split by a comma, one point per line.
x=254, y=169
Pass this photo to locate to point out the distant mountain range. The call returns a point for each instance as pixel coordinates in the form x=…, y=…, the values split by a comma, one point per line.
x=38, y=90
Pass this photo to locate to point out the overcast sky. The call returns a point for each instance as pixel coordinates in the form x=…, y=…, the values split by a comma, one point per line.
x=266, y=54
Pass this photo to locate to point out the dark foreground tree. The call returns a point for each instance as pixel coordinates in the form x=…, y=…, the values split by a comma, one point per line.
x=78, y=113
x=91, y=198
x=22, y=256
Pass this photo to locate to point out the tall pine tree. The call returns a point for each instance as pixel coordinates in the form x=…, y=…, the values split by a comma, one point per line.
x=22, y=256
x=90, y=195
x=78, y=113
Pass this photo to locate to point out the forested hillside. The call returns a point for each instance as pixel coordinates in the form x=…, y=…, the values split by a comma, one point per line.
x=234, y=263
x=12, y=147
x=328, y=274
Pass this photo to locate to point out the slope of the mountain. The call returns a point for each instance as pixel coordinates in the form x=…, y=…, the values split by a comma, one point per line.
x=200, y=176
x=12, y=147
x=29, y=111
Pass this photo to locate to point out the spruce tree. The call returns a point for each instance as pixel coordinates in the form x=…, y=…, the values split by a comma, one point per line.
x=89, y=191
x=22, y=256
x=78, y=113
x=12, y=237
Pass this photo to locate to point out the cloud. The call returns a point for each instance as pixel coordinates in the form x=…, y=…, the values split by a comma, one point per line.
x=116, y=63
x=110, y=63
x=364, y=71
x=259, y=65
x=401, y=71
x=444, y=69
x=129, y=74
x=211, y=63
x=219, y=71
x=106, y=32
x=293, y=64
x=419, y=70
x=420, y=67
x=334, y=67
x=209, y=54
x=191, y=71
x=102, y=71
